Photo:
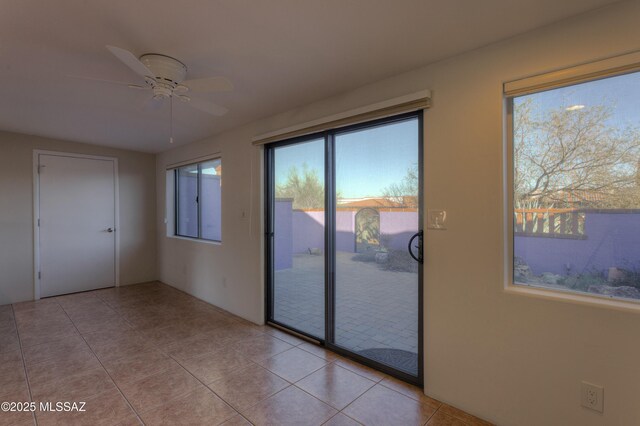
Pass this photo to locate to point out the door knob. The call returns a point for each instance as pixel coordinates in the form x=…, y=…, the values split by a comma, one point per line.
x=110, y=230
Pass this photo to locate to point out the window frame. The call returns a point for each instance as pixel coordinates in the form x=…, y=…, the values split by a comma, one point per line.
x=176, y=194
x=578, y=74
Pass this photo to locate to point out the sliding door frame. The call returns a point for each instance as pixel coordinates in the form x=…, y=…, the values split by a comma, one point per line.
x=269, y=214
x=328, y=340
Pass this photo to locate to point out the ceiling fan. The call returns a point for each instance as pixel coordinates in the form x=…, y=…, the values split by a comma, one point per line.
x=165, y=77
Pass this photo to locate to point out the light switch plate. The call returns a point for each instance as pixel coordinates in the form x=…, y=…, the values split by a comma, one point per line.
x=436, y=219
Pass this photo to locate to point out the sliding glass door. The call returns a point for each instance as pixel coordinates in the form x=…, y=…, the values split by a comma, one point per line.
x=376, y=214
x=297, y=198
x=344, y=241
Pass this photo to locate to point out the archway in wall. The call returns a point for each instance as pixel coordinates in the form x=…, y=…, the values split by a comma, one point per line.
x=367, y=228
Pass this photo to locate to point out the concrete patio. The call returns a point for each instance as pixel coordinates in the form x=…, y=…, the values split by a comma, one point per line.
x=375, y=309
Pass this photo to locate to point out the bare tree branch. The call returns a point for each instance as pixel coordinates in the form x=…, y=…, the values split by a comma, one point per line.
x=565, y=156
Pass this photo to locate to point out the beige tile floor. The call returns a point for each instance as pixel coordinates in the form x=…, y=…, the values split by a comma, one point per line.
x=150, y=354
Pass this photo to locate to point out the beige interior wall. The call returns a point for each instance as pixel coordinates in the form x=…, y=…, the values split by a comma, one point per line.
x=227, y=274
x=512, y=359
x=137, y=212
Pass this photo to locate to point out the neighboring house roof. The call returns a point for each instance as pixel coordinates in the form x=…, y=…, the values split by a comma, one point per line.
x=578, y=196
x=369, y=202
x=621, y=198
x=408, y=204
x=581, y=196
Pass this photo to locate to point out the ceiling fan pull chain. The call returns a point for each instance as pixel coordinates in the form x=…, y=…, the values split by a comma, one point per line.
x=171, y=119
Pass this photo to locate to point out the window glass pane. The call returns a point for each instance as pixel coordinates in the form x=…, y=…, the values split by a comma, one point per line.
x=210, y=197
x=298, y=246
x=577, y=188
x=187, y=203
x=376, y=280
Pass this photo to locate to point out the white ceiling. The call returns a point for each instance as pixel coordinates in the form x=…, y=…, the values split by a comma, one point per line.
x=280, y=54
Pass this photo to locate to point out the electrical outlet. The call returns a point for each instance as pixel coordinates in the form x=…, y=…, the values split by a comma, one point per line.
x=593, y=396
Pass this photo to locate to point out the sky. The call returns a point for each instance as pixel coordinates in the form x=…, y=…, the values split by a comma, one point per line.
x=367, y=161
x=621, y=93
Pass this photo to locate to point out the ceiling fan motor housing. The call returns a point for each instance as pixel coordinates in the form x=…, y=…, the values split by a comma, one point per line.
x=168, y=74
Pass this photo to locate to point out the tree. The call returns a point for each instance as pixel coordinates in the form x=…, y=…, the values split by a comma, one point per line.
x=566, y=156
x=405, y=192
x=306, y=189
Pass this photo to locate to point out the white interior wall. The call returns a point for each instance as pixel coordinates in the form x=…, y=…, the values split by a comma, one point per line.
x=511, y=359
x=137, y=212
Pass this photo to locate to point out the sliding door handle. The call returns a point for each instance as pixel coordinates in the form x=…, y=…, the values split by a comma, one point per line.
x=110, y=230
x=418, y=235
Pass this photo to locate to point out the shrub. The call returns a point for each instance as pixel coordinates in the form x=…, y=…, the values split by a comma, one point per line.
x=630, y=278
x=397, y=260
x=582, y=282
x=400, y=261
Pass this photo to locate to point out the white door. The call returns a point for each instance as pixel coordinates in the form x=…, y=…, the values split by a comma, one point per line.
x=77, y=224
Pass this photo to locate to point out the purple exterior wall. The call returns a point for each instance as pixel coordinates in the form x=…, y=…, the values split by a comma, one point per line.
x=283, y=235
x=308, y=231
x=398, y=227
x=187, y=206
x=345, y=231
x=298, y=231
x=613, y=240
x=211, y=211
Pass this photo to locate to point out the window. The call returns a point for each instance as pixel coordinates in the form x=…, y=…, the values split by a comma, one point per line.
x=576, y=187
x=198, y=201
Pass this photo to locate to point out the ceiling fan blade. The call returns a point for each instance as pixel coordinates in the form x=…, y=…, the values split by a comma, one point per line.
x=130, y=60
x=102, y=80
x=207, y=107
x=209, y=84
x=138, y=87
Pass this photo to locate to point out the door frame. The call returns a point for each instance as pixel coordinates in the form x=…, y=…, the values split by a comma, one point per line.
x=327, y=341
x=36, y=212
x=269, y=195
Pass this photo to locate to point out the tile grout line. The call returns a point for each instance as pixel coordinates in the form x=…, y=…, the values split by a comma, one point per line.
x=241, y=321
x=290, y=384
x=214, y=392
x=24, y=365
x=302, y=378
x=338, y=411
x=264, y=399
x=102, y=365
x=345, y=414
x=399, y=393
x=184, y=368
x=293, y=384
x=114, y=310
